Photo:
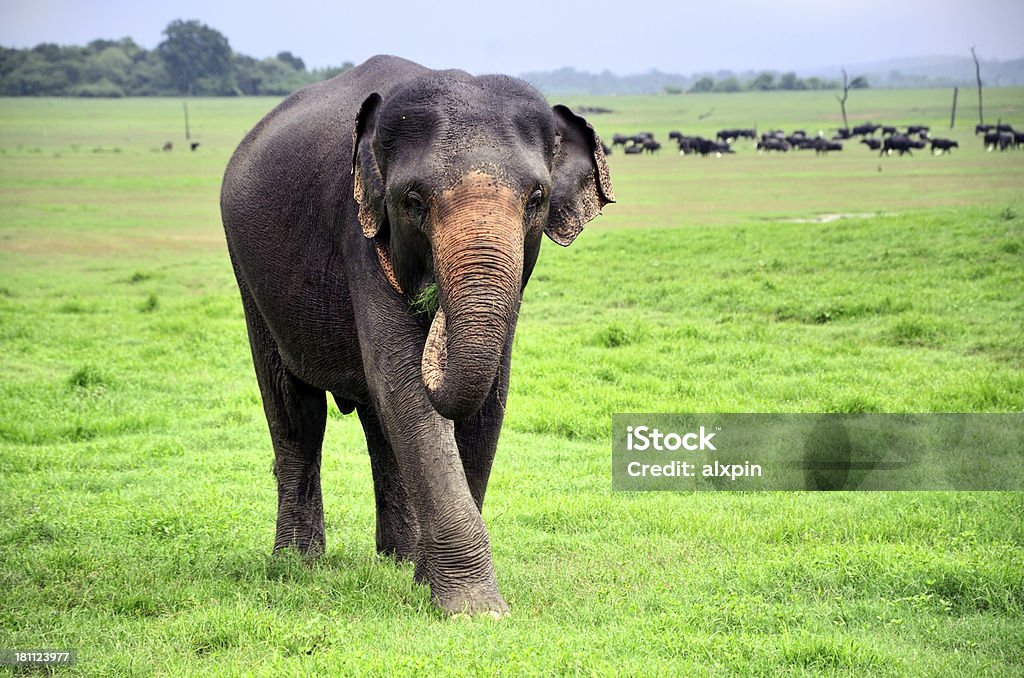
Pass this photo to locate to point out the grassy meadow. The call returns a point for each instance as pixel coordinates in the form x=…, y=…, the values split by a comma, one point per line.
x=137, y=502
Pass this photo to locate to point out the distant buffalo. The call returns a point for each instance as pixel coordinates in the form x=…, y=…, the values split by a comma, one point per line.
x=940, y=146
x=772, y=144
x=900, y=143
x=823, y=146
x=708, y=147
x=727, y=135
x=1004, y=141
x=873, y=144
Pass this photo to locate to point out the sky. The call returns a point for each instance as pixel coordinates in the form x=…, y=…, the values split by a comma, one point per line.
x=517, y=36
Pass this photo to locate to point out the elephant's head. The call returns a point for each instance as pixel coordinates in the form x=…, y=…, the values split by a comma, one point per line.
x=456, y=177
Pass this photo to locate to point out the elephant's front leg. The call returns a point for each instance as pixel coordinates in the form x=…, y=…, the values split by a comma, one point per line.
x=453, y=552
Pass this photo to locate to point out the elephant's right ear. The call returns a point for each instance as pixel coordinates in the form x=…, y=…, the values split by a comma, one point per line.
x=367, y=181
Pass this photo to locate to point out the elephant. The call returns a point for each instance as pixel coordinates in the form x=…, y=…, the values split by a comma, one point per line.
x=382, y=226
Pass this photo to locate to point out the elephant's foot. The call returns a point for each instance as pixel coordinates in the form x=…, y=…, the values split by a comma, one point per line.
x=309, y=548
x=482, y=601
x=300, y=509
x=305, y=536
x=463, y=596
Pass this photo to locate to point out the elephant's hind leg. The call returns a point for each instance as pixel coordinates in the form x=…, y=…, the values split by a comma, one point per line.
x=297, y=416
x=397, y=529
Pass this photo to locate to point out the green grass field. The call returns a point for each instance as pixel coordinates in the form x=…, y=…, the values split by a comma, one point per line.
x=136, y=497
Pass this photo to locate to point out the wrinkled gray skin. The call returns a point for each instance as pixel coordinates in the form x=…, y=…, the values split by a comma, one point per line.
x=339, y=208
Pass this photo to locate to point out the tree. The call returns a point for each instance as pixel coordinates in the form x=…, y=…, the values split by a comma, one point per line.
x=764, y=81
x=860, y=82
x=195, y=54
x=789, y=81
x=292, y=60
x=109, y=63
x=705, y=84
x=730, y=84
x=977, y=75
x=149, y=76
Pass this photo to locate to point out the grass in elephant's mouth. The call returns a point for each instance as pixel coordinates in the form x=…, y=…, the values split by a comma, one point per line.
x=427, y=301
x=137, y=501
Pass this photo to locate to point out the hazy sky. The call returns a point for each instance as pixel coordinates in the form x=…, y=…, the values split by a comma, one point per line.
x=624, y=36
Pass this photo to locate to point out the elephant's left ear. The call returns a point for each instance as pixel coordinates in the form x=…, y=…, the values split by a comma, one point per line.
x=582, y=184
x=367, y=182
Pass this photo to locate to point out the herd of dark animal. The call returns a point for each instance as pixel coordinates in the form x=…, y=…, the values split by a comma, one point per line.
x=1002, y=137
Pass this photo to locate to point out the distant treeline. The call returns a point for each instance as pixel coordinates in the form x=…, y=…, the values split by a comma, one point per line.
x=897, y=73
x=571, y=81
x=193, y=59
x=764, y=81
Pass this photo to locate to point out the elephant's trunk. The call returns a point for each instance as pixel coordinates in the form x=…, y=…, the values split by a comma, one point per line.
x=478, y=261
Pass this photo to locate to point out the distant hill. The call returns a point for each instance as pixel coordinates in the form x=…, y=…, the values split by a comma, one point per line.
x=570, y=81
x=933, y=71
x=930, y=71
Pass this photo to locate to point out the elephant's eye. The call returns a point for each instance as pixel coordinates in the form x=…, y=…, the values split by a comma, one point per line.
x=533, y=204
x=415, y=205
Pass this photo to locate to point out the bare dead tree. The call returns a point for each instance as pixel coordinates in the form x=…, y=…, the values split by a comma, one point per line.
x=952, y=115
x=848, y=84
x=842, y=99
x=977, y=75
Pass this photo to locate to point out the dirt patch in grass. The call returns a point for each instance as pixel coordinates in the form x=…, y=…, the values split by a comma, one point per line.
x=135, y=242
